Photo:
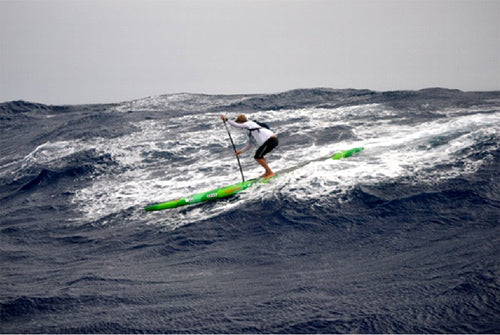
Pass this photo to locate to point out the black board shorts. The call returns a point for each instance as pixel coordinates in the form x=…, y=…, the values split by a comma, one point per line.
x=265, y=148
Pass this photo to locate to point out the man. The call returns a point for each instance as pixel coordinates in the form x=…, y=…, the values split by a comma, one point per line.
x=265, y=139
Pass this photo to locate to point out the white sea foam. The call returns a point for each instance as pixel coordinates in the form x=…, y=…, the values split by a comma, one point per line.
x=392, y=150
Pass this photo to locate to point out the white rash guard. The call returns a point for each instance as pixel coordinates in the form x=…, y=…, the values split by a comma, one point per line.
x=261, y=135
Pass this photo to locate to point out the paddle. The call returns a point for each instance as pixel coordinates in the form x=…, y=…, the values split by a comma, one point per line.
x=237, y=157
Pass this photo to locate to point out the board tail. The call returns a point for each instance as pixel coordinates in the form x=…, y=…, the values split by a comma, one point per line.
x=347, y=153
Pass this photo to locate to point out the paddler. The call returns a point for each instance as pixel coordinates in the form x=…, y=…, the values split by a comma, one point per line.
x=264, y=138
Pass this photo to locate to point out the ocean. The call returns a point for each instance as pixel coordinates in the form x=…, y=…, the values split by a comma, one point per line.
x=401, y=238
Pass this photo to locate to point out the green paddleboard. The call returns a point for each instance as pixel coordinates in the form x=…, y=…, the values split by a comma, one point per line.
x=231, y=189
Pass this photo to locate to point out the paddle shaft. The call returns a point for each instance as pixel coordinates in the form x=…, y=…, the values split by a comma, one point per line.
x=234, y=147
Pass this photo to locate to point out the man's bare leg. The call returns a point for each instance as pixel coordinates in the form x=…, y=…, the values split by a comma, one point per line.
x=269, y=173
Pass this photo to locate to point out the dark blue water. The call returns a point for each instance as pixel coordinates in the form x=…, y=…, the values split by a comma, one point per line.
x=402, y=238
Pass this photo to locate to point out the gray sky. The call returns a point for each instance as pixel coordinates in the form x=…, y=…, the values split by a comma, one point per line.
x=82, y=51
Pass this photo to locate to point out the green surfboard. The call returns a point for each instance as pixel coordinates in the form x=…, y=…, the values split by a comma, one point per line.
x=227, y=191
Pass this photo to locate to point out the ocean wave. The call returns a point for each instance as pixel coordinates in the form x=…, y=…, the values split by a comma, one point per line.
x=400, y=238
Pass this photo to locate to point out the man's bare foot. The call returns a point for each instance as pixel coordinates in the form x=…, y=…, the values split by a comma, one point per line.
x=268, y=175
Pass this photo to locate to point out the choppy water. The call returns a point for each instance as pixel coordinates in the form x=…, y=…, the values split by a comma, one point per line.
x=403, y=237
